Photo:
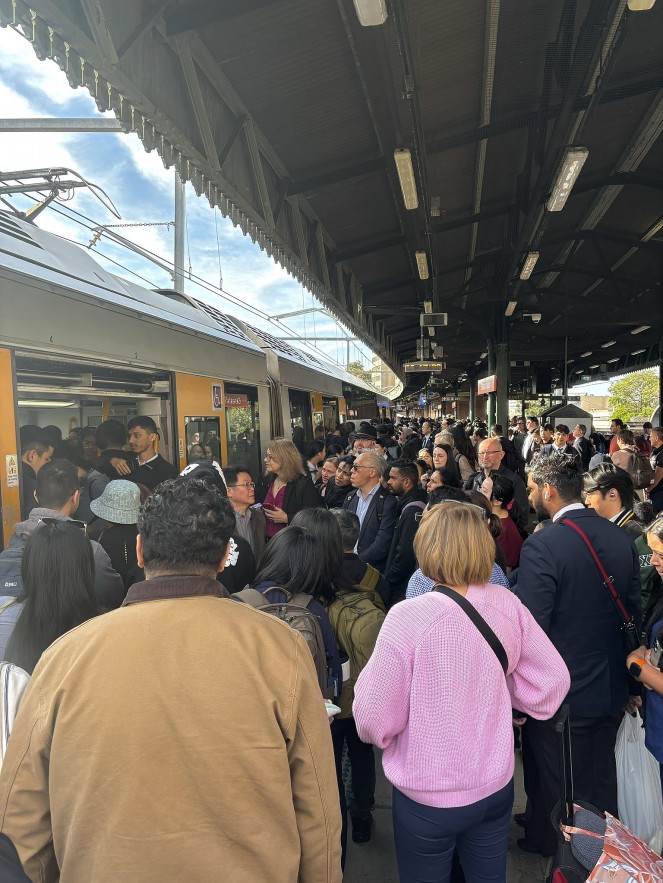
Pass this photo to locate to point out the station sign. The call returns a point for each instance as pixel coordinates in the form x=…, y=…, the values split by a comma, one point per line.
x=236, y=401
x=418, y=367
x=487, y=384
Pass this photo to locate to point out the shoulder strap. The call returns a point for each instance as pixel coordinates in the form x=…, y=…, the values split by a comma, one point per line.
x=417, y=504
x=252, y=597
x=608, y=581
x=379, y=505
x=370, y=578
x=301, y=599
x=479, y=622
x=7, y=604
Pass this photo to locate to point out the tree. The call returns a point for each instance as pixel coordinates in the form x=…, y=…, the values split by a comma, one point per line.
x=359, y=371
x=634, y=396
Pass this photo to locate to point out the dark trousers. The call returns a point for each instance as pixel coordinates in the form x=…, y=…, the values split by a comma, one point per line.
x=362, y=764
x=426, y=836
x=594, y=772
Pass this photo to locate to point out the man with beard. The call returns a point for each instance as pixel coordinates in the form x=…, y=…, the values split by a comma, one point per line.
x=560, y=582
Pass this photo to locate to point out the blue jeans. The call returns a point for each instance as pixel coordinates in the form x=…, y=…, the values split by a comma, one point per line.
x=427, y=835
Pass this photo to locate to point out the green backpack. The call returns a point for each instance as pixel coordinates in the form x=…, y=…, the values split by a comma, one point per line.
x=356, y=622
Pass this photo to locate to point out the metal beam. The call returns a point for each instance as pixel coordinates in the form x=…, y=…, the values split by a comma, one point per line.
x=484, y=215
x=100, y=31
x=198, y=15
x=196, y=96
x=142, y=28
x=336, y=176
x=259, y=172
x=369, y=246
x=59, y=124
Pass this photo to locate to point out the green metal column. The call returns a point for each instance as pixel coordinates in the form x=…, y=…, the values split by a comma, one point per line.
x=502, y=370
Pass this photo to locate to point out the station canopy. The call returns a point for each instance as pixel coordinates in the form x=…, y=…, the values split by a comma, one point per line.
x=288, y=115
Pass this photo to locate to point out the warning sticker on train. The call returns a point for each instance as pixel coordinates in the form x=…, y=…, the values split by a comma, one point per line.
x=12, y=470
x=217, y=398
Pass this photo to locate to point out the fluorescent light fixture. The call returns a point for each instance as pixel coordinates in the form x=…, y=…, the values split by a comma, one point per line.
x=371, y=12
x=640, y=329
x=640, y=5
x=403, y=160
x=591, y=367
x=604, y=346
x=48, y=403
x=567, y=174
x=584, y=355
x=530, y=263
x=511, y=308
x=422, y=266
x=435, y=207
x=638, y=352
x=483, y=355
x=478, y=362
x=611, y=361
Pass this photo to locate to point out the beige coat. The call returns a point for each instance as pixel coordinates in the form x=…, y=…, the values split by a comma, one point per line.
x=179, y=739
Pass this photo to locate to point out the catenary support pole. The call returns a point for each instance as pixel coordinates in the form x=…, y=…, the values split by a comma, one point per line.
x=180, y=228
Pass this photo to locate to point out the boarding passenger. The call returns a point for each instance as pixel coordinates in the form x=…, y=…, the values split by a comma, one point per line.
x=111, y=436
x=250, y=521
x=491, y=461
x=315, y=454
x=506, y=509
x=117, y=508
x=327, y=473
x=207, y=713
x=58, y=493
x=403, y=483
x=149, y=468
x=286, y=488
x=92, y=482
x=57, y=573
x=582, y=445
x=375, y=508
x=451, y=791
x=339, y=487
x=35, y=453
x=361, y=575
x=87, y=443
x=560, y=582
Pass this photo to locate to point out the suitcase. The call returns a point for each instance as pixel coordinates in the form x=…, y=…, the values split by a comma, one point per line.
x=575, y=858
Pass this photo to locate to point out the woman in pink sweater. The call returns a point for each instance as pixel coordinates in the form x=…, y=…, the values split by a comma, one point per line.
x=435, y=698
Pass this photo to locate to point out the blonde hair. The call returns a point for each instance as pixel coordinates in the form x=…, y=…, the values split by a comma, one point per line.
x=453, y=545
x=285, y=453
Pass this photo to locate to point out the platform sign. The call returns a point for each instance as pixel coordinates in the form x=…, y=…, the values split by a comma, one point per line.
x=11, y=461
x=417, y=367
x=487, y=384
x=217, y=397
x=236, y=400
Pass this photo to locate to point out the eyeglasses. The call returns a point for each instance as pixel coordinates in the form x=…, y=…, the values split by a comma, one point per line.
x=356, y=466
x=250, y=484
x=70, y=522
x=491, y=452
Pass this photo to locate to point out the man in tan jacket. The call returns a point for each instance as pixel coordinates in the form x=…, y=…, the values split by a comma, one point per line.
x=181, y=737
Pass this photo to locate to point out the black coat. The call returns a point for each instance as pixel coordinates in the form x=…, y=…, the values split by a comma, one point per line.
x=334, y=496
x=402, y=563
x=299, y=494
x=376, y=532
x=475, y=481
x=560, y=583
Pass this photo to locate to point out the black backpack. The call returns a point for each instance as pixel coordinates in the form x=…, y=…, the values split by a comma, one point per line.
x=10, y=570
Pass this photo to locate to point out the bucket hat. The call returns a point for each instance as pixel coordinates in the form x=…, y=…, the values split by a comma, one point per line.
x=119, y=502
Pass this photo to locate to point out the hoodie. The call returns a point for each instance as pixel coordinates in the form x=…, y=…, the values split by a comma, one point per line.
x=108, y=585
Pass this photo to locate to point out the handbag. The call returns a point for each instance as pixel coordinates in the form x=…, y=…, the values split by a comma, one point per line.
x=479, y=622
x=629, y=627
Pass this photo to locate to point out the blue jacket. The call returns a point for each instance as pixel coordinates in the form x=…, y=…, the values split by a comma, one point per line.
x=560, y=583
x=377, y=528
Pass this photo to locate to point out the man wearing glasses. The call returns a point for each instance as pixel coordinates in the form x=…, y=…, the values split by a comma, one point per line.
x=491, y=456
x=250, y=522
x=375, y=508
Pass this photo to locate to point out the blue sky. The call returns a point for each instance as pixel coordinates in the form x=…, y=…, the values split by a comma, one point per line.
x=142, y=189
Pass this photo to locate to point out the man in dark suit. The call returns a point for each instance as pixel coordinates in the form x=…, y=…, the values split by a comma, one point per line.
x=491, y=461
x=427, y=437
x=559, y=581
x=582, y=445
x=560, y=443
x=375, y=508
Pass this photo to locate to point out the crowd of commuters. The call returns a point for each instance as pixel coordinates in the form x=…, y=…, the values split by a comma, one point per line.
x=219, y=639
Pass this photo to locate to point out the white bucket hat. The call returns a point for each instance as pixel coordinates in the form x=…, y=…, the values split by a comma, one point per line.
x=119, y=502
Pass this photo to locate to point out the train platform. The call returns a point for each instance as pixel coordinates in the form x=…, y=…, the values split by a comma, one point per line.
x=375, y=862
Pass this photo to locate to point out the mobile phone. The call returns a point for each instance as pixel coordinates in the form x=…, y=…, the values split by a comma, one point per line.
x=269, y=506
x=655, y=657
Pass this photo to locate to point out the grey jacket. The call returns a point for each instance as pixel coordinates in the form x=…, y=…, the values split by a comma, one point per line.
x=108, y=585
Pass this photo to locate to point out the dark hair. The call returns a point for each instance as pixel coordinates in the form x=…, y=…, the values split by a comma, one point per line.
x=646, y=425
x=411, y=448
x=109, y=434
x=348, y=460
x=450, y=473
x=644, y=512
x=504, y=493
x=497, y=428
x=298, y=434
x=57, y=482
x=142, y=421
x=533, y=420
x=314, y=448
x=607, y=476
x=407, y=469
x=582, y=427
x=73, y=454
x=626, y=437
x=561, y=471
x=463, y=445
x=494, y=522
x=481, y=432
x=232, y=473
x=617, y=421
x=291, y=560
x=39, y=446
x=185, y=526
x=446, y=493
x=348, y=523
x=57, y=569
x=324, y=528
x=52, y=435
x=548, y=427
x=562, y=427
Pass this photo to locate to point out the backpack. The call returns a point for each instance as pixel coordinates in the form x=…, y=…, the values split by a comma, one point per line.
x=640, y=470
x=10, y=569
x=367, y=584
x=294, y=612
x=415, y=504
x=13, y=681
x=356, y=622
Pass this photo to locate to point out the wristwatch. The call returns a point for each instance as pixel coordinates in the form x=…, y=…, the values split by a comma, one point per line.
x=635, y=668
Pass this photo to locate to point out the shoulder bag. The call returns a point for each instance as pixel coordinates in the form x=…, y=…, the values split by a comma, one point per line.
x=479, y=622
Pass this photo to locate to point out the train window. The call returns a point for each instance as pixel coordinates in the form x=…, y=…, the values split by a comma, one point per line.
x=202, y=439
x=243, y=426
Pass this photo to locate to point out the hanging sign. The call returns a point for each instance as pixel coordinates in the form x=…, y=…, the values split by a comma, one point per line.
x=236, y=400
x=11, y=461
x=487, y=384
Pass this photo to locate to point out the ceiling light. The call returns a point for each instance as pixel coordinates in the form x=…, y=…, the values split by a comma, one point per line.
x=604, y=346
x=640, y=5
x=610, y=361
x=435, y=207
x=511, y=308
x=371, y=12
x=403, y=160
x=530, y=263
x=591, y=367
x=640, y=329
x=483, y=355
x=422, y=264
x=568, y=172
x=48, y=403
x=637, y=352
x=584, y=355
x=478, y=362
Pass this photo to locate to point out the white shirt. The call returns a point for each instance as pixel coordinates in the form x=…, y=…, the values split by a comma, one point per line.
x=363, y=502
x=566, y=509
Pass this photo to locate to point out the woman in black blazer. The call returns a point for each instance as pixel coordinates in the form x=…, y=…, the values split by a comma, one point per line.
x=286, y=489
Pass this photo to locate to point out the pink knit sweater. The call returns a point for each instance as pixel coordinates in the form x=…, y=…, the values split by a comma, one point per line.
x=434, y=697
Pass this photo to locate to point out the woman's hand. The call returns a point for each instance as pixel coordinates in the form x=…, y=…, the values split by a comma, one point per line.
x=278, y=516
